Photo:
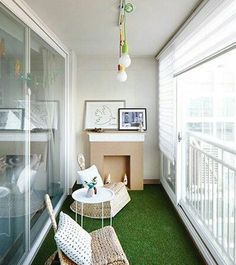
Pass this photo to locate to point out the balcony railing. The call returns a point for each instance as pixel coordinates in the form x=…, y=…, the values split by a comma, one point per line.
x=211, y=189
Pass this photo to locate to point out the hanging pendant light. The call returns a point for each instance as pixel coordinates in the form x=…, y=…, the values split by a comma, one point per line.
x=121, y=75
x=124, y=59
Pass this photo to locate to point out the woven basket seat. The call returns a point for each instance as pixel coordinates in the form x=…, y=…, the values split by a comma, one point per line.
x=105, y=245
x=110, y=208
x=106, y=249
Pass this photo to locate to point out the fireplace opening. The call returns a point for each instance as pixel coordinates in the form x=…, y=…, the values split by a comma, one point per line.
x=117, y=166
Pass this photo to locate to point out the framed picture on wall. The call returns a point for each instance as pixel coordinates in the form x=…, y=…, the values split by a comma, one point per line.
x=102, y=114
x=11, y=118
x=132, y=119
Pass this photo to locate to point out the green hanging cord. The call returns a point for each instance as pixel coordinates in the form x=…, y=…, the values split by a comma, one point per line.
x=125, y=45
x=124, y=26
x=129, y=7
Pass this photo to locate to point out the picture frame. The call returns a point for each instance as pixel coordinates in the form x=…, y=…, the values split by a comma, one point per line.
x=132, y=119
x=102, y=114
x=12, y=119
x=44, y=114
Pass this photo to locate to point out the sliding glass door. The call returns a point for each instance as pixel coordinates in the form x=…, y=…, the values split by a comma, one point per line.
x=13, y=144
x=32, y=135
x=209, y=150
x=47, y=84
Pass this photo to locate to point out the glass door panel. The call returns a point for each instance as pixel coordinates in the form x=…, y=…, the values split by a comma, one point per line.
x=32, y=161
x=13, y=159
x=209, y=148
x=47, y=86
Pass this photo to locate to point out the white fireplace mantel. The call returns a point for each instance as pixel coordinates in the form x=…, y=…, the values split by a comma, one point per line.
x=116, y=137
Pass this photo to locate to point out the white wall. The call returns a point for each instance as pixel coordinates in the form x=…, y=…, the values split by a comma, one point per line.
x=97, y=81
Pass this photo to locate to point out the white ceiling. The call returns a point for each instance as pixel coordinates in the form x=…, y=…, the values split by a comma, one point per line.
x=90, y=27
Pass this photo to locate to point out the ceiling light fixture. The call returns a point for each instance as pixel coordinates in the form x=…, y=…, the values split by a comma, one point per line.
x=124, y=60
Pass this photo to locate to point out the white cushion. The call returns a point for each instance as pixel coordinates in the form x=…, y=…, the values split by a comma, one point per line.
x=88, y=174
x=73, y=240
x=22, y=183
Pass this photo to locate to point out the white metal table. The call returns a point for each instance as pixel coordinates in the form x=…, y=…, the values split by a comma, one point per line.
x=103, y=195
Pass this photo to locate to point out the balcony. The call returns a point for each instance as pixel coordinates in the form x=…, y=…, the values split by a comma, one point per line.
x=211, y=191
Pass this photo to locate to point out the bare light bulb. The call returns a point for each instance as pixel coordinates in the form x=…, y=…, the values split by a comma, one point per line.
x=125, y=60
x=122, y=76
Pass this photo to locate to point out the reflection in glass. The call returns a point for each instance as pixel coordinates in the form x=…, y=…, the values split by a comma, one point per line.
x=12, y=141
x=28, y=169
x=46, y=124
x=209, y=94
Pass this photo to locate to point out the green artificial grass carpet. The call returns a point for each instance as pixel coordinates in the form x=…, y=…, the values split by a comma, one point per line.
x=149, y=229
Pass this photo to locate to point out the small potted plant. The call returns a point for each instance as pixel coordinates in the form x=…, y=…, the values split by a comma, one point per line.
x=92, y=190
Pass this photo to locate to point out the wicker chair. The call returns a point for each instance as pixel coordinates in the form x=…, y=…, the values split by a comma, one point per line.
x=106, y=247
x=110, y=208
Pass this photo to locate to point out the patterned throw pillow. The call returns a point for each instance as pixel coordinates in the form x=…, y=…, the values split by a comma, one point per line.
x=73, y=240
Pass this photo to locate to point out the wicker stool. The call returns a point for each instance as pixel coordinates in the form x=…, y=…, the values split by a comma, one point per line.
x=110, y=208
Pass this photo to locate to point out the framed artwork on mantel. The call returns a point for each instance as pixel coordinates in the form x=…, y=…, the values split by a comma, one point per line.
x=132, y=119
x=102, y=114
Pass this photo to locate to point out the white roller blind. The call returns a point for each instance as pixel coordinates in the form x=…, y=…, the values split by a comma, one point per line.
x=167, y=104
x=210, y=31
x=213, y=29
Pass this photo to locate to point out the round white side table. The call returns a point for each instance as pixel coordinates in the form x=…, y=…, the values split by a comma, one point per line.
x=103, y=195
x=4, y=192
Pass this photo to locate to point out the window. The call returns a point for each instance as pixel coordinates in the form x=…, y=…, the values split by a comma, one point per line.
x=209, y=122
